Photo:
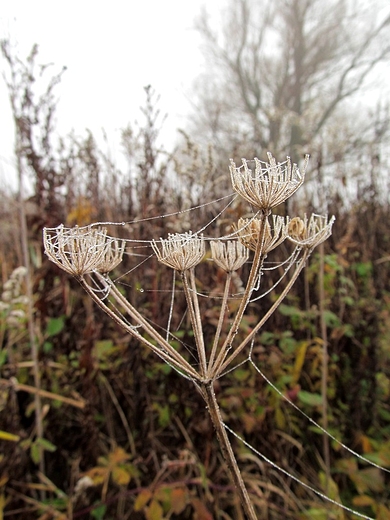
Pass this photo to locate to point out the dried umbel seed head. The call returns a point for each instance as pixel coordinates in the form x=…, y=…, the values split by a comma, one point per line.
x=82, y=250
x=180, y=251
x=249, y=232
x=309, y=233
x=112, y=256
x=230, y=255
x=297, y=228
x=268, y=184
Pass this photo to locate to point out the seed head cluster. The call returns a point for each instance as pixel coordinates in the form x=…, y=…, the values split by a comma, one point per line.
x=180, y=251
x=266, y=184
x=230, y=255
x=309, y=233
x=82, y=250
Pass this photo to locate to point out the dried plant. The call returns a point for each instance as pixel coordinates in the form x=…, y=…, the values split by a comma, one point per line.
x=89, y=254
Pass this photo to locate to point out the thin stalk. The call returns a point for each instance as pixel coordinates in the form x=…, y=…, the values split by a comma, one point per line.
x=227, y=450
x=324, y=376
x=163, y=352
x=301, y=264
x=258, y=259
x=221, y=318
x=132, y=311
x=202, y=351
x=196, y=322
x=30, y=313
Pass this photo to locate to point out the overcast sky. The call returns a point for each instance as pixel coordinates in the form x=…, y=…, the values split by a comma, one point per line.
x=111, y=51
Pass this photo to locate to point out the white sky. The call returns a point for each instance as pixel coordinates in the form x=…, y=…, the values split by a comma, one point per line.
x=111, y=50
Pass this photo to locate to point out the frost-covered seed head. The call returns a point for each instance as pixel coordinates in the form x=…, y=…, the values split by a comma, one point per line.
x=310, y=233
x=269, y=184
x=82, y=250
x=180, y=251
x=249, y=232
x=230, y=255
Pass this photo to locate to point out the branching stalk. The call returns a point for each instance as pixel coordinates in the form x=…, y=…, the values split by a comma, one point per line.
x=254, y=272
x=140, y=320
x=165, y=351
x=301, y=264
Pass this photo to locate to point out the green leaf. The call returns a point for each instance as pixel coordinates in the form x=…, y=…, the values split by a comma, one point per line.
x=3, y=357
x=331, y=319
x=99, y=512
x=310, y=398
x=35, y=453
x=241, y=374
x=47, y=347
x=55, y=326
x=46, y=445
x=315, y=514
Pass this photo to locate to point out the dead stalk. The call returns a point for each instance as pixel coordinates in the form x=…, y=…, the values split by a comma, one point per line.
x=226, y=448
x=87, y=251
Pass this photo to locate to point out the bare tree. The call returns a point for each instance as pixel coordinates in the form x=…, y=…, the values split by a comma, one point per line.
x=281, y=69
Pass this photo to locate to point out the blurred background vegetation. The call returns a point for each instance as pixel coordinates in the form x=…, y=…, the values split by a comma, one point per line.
x=92, y=425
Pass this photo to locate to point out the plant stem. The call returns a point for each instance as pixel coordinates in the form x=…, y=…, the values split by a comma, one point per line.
x=196, y=321
x=30, y=310
x=226, y=448
x=249, y=337
x=324, y=375
x=258, y=259
x=220, y=320
x=163, y=349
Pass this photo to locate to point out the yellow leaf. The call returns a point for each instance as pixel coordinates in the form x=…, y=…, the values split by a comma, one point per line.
x=142, y=499
x=121, y=476
x=299, y=360
x=154, y=511
x=280, y=420
x=382, y=512
x=366, y=444
x=117, y=456
x=363, y=501
x=368, y=479
x=3, y=503
x=97, y=474
x=6, y=436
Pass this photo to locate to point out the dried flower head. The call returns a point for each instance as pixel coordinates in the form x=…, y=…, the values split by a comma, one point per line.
x=230, y=255
x=181, y=251
x=112, y=257
x=82, y=250
x=249, y=232
x=309, y=233
x=269, y=184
